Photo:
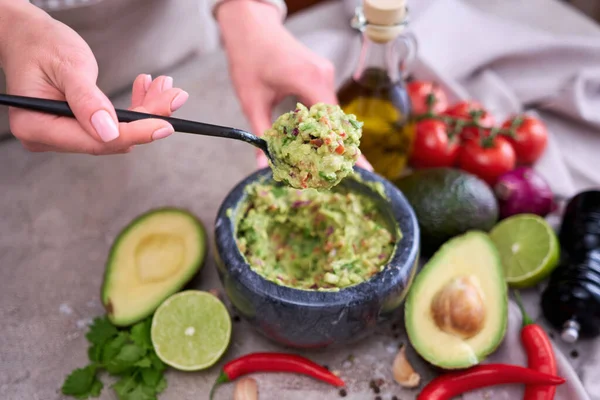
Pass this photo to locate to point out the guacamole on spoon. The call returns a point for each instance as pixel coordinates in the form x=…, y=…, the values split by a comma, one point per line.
x=314, y=148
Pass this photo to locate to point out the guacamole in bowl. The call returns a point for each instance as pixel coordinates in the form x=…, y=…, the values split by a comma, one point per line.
x=313, y=240
x=315, y=310
x=314, y=147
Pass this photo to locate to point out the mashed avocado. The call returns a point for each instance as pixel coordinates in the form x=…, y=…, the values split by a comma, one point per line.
x=314, y=148
x=310, y=239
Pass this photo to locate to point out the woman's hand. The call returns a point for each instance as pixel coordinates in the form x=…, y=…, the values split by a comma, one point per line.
x=42, y=57
x=266, y=64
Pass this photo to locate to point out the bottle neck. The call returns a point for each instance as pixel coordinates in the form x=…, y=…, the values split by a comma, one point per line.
x=380, y=57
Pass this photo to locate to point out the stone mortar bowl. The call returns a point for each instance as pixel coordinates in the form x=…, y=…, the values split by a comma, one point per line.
x=313, y=319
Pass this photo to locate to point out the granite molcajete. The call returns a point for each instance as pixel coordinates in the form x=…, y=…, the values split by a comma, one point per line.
x=308, y=319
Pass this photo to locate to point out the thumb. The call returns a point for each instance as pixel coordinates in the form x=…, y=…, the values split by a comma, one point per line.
x=93, y=110
x=259, y=115
x=311, y=93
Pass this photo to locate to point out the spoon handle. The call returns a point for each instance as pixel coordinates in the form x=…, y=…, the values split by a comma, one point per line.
x=57, y=107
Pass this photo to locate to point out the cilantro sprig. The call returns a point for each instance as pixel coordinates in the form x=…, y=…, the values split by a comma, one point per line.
x=124, y=353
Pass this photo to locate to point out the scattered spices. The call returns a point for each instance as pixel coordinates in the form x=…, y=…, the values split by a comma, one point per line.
x=403, y=372
x=326, y=367
x=274, y=362
x=246, y=389
x=379, y=382
x=236, y=318
x=372, y=384
x=343, y=392
x=450, y=385
x=540, y=354
x=377, y=397
x=376, y=390
x=394, y=397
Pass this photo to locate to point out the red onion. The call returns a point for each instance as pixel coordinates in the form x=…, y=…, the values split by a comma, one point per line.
x=523, y=190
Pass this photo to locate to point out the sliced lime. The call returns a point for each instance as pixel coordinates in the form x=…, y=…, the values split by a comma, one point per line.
x=191, y=330
x=528, y=247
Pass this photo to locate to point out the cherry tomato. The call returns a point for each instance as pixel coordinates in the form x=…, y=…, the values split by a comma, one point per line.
x=530, y=140
x=463, y=109
x=487, y=161
x=432, y=146
x=418, y=92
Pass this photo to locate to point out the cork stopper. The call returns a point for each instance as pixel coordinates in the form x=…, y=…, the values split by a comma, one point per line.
x=384, y=12
x=384, y=19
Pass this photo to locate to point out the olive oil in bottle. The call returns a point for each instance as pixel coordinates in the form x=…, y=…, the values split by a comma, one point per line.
x=376, y=92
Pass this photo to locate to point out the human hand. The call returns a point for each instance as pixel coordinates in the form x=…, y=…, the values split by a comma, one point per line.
x=264, y=70
x=45, y=58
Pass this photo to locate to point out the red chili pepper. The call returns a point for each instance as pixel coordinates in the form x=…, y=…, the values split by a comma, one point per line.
x=452, y=384
x=274, y=362
x=540, y=355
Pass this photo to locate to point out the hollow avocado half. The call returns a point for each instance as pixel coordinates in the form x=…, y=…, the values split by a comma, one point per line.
x=153, y=257
x=456, y=312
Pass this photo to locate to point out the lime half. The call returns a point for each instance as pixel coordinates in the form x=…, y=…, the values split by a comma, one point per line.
x=528, y=247
x=191, y=330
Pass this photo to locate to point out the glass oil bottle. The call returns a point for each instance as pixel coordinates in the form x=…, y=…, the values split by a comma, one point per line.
x=376, y=92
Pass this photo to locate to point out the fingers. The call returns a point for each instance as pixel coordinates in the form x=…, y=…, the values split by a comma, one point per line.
x=316, y=84
x=157, y=96
x=141, y=84
x=49, y=133
x=258, y=110
x=93, y=110
x=165, y=103
x=363, y=163
x=261, y=160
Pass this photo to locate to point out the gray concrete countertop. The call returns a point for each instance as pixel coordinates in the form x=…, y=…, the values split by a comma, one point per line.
x=59, y=214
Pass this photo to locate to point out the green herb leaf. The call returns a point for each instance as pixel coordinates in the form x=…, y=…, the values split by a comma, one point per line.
x=141, y=393
x=124, y=386
x=130, y=353
x=101, y=331
x=157, y=362
x=82, y=383
x=151, y=377
x=95, y=353
x=161, y=385
x=113, y=347
x=140, y=334
x=96, y=388
x=125, y=360
x=145, y=362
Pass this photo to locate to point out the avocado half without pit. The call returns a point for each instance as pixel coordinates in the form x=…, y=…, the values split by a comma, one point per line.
x=153, y=257
x=457, y=309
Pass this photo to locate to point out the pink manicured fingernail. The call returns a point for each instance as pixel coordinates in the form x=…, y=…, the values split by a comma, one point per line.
x=179, y=100
x=167, y=83
x=162, y=133
x=147, y=82
x=105, y=126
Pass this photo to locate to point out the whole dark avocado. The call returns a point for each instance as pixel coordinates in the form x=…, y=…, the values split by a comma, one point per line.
x=448, y=202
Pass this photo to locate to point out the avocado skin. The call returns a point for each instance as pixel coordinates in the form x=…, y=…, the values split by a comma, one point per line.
x=150, y=306
x=448, y=202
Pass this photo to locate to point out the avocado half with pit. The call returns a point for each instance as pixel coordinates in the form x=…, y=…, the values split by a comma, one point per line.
x=153, y=257
x=456, y=312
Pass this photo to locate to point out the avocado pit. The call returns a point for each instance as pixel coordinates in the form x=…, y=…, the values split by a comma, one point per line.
x=458, y=307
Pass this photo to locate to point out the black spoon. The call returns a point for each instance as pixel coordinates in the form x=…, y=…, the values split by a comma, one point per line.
x=57, y=107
